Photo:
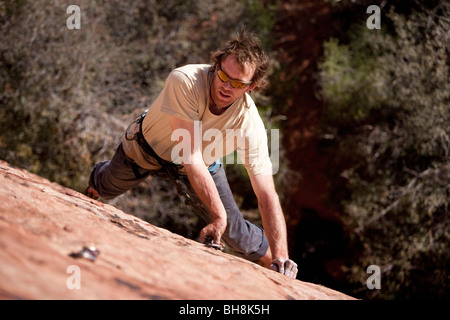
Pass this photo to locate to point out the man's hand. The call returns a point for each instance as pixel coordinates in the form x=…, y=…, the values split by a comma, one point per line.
x=213, y=231
x=285, y=266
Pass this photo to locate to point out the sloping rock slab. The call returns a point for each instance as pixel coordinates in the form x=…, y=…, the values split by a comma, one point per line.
x=43, y=223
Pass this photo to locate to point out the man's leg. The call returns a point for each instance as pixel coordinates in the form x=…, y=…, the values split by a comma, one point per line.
x=245, y=238
x=114, y=177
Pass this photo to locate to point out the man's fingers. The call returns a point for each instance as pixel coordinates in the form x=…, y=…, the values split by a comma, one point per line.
x=287, y=267
x=278, y=265
x=212, y=239
x=213, y=231
x=274, y=267
x=290, y=269
x=281, y=267
x=209, y=234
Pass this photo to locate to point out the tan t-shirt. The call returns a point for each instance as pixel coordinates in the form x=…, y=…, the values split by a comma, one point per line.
x=186, y=96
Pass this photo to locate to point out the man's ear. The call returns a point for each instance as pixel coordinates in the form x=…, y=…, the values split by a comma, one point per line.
x=250, y=89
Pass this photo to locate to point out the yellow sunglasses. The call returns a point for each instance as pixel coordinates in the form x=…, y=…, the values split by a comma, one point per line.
x=237, y=84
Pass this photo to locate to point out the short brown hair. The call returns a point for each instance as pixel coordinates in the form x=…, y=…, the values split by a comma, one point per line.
x=247, y=48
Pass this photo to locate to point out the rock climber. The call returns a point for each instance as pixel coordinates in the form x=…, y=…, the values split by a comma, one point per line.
x=204, y=112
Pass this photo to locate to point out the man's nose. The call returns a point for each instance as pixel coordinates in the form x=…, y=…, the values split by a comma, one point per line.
x=227, y=85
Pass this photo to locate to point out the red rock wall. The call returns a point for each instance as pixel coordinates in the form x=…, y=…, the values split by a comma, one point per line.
x=42, y=223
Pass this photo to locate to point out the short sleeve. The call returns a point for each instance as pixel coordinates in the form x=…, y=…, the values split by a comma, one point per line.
x=179, y=97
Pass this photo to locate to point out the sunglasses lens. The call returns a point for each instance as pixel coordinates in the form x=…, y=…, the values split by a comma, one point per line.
x=234, y=83
x=222, y=75
x=237, y=84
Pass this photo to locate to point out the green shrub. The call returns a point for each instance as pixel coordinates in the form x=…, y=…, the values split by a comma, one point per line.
x=388, y=113
x=67, y=95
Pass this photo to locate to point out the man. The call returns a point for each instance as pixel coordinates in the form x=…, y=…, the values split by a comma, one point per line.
x=174, y=136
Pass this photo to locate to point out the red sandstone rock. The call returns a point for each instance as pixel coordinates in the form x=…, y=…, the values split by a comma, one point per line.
x=42, y=223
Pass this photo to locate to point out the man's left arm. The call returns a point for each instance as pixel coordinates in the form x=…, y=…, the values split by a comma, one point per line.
x=274, y=223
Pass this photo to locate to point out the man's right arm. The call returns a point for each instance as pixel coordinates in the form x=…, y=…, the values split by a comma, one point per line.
x=201, y=179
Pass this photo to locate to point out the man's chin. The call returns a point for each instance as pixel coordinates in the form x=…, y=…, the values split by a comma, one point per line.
x=223, y=103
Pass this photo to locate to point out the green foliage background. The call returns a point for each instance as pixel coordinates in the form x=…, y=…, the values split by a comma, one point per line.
x=68, y=95
x=388, y=111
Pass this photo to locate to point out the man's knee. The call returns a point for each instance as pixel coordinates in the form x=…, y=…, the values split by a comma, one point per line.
x=115, y=177
x=246, y=239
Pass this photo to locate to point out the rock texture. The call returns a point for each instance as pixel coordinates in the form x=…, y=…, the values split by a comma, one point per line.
x=42, y=223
